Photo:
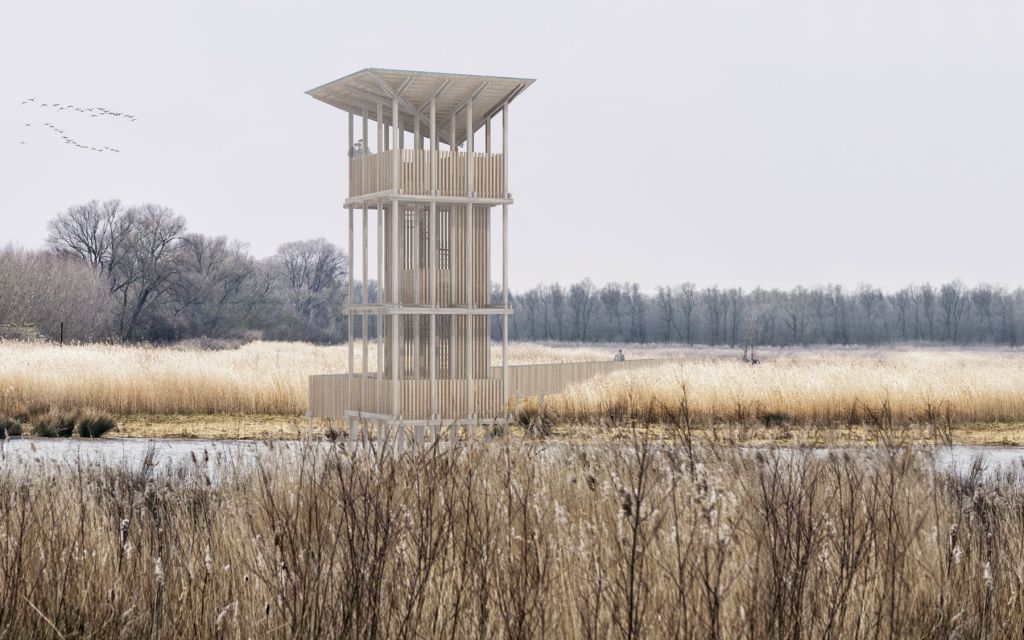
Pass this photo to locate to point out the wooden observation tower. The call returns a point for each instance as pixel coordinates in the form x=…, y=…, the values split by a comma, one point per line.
x=428, y=169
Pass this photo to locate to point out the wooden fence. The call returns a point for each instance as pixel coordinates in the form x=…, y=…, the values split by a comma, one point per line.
x=374, y=173
x=332, y=395
x=544, y=379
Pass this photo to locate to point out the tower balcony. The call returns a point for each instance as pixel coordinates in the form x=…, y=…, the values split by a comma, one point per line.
x=373, y=173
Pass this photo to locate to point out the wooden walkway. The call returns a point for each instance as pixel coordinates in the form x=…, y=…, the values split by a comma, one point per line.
x=340, y=396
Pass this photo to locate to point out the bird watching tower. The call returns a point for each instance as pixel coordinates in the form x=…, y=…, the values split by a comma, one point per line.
x=428, y=171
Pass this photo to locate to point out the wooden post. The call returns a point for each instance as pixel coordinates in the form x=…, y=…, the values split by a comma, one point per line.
x=395, y=318
x=396, y=166
x=416, y=230
x=453, y=151
x=433, y=258
x=366, y=295
x=470, y=266
x=383, y=286
x=504, y=148
x=397, y=228
x=364, y=387
x=504, y=305
x=504, y=256
x=351, y=295
x=433, y=146
x=365, y=174
x=381, y=300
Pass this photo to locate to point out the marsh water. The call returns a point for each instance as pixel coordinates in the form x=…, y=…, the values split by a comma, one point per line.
x=170, y=453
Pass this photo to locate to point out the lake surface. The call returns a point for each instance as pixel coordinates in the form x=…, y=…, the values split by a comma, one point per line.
x=169, y=453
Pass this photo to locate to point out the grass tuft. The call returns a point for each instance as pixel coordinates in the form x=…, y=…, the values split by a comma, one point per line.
x=55, y=424
x=10, y=426
x=94, y=424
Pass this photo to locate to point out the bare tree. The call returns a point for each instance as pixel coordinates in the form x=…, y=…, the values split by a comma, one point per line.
x=92, y=231
x=870, y=300
x=532, y=302
x=556, y=294
x=983, y=298
x=688, y=301
x=612, y=298
x=637, y=314
x=794, y=309
x=311, y=275
x=953, y=301
x=926, y=294
x=145, y=262
x=901, y=302
x=664, y=298
x=714, y=305
x=213, y=283
x=134, y=247
x=581, y=303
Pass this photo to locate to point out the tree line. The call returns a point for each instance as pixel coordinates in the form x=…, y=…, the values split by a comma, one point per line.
x=136, y=273
x=831, y=314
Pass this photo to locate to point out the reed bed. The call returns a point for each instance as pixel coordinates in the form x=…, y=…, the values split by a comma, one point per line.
x=513, y=540
x=258, y=378
x=706, y=386
x=824, y=389
x=261, y=378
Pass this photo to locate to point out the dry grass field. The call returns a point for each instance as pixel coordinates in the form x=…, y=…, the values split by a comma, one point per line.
x=708, y=387
x=262, y=378
x=514, y=541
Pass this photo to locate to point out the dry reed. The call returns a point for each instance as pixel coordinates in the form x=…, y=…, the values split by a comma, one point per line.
x=823, y=389
x=896, y=386
x=513, y=541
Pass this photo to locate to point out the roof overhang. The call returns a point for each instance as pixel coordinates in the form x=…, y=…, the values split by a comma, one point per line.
x=360, y=92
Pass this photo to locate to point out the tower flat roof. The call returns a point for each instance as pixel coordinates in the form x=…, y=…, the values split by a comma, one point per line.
x=363, y=90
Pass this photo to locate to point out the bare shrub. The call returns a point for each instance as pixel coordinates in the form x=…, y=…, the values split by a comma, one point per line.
x=9, y=426
x=45, y=289
x=94, y=424
x=513, y=540
x=55, y=424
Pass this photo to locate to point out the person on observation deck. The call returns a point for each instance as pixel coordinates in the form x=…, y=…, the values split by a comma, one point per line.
x=358, y=150
x=619, y=357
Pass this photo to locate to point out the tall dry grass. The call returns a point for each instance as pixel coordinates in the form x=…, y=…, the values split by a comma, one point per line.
x=514, y=541
x=896, y=386
x=256, y=378
x=817, y=388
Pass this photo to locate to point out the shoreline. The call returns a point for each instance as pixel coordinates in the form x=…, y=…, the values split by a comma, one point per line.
x=270, y=427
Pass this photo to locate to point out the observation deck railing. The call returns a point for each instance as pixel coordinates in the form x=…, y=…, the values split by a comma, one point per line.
x=374, y=173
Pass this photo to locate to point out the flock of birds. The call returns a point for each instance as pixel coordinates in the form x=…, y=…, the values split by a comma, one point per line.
x=92, y=112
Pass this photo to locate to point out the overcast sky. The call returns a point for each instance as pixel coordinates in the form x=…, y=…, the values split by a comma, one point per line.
x=732, y=142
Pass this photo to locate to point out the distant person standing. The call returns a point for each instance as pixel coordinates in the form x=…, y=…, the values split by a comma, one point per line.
x=619, y=357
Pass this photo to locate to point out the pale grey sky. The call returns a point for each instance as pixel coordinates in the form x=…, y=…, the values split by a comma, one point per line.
x=737, y=142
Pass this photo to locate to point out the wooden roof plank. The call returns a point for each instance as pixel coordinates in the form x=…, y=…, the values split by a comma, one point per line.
x=452, y=92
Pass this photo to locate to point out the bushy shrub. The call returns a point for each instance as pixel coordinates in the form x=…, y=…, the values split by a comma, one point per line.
x=55, y=424
x=93, y=424
x=9, y=426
